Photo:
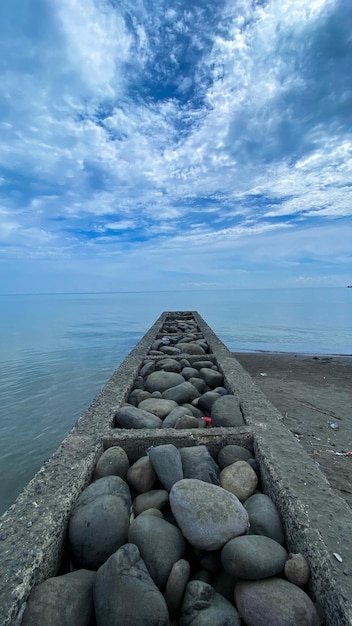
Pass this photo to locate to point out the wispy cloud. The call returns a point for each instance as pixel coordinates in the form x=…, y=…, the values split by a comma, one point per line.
x=214, y=137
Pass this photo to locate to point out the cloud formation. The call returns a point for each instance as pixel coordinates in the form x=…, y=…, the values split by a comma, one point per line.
x=144, y=142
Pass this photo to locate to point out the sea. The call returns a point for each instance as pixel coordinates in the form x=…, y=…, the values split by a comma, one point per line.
x=58, y=350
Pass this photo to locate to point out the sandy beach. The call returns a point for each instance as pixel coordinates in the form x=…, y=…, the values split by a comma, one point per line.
x=314, y=396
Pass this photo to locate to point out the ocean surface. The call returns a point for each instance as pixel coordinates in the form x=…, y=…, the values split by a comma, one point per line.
x=57, y=351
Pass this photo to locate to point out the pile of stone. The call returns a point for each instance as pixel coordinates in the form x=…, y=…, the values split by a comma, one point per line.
x=176, y=537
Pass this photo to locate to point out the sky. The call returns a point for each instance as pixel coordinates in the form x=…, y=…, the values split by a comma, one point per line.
x=151, y=145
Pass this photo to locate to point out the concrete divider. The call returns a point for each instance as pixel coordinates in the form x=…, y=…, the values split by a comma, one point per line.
x=317, y=522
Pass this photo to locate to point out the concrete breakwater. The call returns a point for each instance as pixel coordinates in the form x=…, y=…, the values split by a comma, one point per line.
x=35, y=532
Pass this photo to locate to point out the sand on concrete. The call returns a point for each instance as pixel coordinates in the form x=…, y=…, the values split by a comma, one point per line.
x=314, y=397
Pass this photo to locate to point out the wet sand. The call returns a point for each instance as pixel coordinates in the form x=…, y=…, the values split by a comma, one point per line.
x=314, y=397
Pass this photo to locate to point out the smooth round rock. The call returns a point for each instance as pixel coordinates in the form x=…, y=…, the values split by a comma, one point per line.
x=297, y=569
x=106, y=486
x=169, y=365
x=202, y=606
x=154, y=499
x=160, y=381
x=253, y=557
x=141, y=475
x=274, y=601
x=189, y=372
x=226, y=412
x=207, y=515
x=186, y=421
x=190, y=348
x=128, y=416
x=198, y=365
x=176, y=584
x=264, y=518
x=212, y=377
x=167, y=463
x=185, y=392
x=198, y=383
x=160, y=545
x=62, y=601
x=114, y=461
x=147, y=368
x=97, y=529
x=137, y=395
x=231, y=453
x=158, y=406
x=206, y=401
x=124, y=592
x=240, y=479
x=171, y=419
x=197, y=462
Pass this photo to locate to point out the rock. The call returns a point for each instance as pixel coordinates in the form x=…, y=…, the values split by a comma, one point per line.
x=240, y=479
x=160, y=545
x=171, y=419
x=160, y=381
x=147, y=368
x=167, y=463
x=189, y=372
x=253, y=557
x=106, y=486
x=264, y=518
x=176, y=584
x=169, y=365
x=207, y=515
x=137, y=395
x=158, y=406
x=274, y=601
x=141, y=475
x=128, y=416
x=171, y=350
x=297, y=569
x=154, y=499
x=193, y=410
x=186, y=421
x=62, y=601
x=124, y=592
x=206, y=401
x=202, y=606
x=185, y=392
x=212, y=377
x=198, y=383
x=226, y=412
x=155, y=512
x=114, y=461
x=197, y=462
x=190, y=348
x=231, y=453
x=198, y=365
x=97, y=529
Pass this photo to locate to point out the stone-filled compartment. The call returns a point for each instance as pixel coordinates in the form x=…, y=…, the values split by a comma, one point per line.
x=181, y=538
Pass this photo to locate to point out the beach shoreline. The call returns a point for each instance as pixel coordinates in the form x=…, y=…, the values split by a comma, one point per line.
x=314, y=396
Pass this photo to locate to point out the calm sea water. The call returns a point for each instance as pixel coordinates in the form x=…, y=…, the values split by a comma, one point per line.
x=57, y=352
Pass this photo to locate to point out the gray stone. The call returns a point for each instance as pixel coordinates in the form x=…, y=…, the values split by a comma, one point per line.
x=226, y=412
x=169, y=365
x=167, y=463
x=185, y=392
x=190, y=348
x=198, y=365
x=231, y=453
x=160, y=381
x=141, y=475
x=147, y=368
x=124, y=592
x=97, y=529
x=198, y=383
x=160, y=545
x=276, y=602
x=155, y=512
x=240, y=479
x=158, y=406
x=197, y=462
x=202, y=606
x=137, y=395
x=62, y=601
x=206, y=401
x=114, y=461
x=193, y=409
x=171, y=350
x=222, y=391
x=128, y=416
x=106, y=486
x=253, y=557
x=297, y=569
x=171, y=419
x=207, y=515
x=264, y=518
x=154, y=499
x=186, y=421
x=212, y=377
x=176, y=584
x=189, y=372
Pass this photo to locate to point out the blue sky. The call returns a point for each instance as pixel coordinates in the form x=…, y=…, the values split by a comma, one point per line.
x=150, y=144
